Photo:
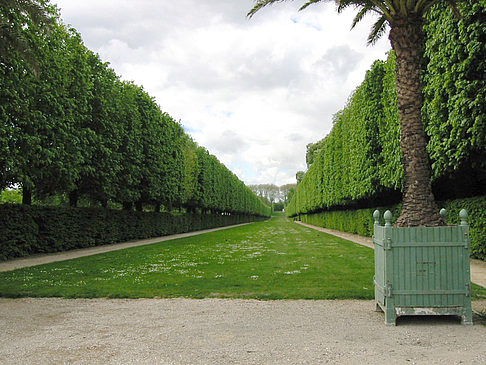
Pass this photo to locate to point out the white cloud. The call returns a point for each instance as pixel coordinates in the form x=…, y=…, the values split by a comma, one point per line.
x=254, y=91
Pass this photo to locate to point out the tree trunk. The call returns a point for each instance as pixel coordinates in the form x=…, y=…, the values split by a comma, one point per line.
x=26, y=196
x=73, y=198
x=419, y=207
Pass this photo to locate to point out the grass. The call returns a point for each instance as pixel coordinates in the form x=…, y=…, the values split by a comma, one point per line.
x=268, y=260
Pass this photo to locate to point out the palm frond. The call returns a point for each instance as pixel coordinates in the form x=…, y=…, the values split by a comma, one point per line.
x=261, y=4
x=391, y=6
x=386, y=8
x=343, y=4
x=410, y=5
x=310, y=2
x=419, y=5
x=382, y=7
x=361, y=14
x=378, y=30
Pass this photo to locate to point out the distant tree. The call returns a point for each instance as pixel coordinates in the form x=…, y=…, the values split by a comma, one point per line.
x=299, y=176
x=273, y=193
x=312, y=149
x=269, y=193
x=287, y=192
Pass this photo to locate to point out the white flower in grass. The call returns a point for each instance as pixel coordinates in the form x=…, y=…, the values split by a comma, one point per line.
x=292, y=272
x=254, y=277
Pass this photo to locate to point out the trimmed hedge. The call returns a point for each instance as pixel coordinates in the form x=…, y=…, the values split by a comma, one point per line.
x=27, y=230
x=360, y=159
x=360, y=221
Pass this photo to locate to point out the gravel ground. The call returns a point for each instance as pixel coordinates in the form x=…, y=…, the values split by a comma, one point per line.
x=216, y=331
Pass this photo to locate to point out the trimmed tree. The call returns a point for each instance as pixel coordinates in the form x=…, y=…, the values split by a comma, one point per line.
x=405, y=18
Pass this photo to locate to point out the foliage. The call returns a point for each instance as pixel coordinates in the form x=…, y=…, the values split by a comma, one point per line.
x=348, y=166
x=287, y=191
x=405, y=18
x=359, y=162
x=278, y=207
x=73, y=130
x=476, y=208
x=27, y=230
x=455, y=90
x=312, y=149
x=271, y=194
x=299, y=176
x=42, y=113
x=360, y=221
x=268, y=260
x=15, y=17
x=10, y=197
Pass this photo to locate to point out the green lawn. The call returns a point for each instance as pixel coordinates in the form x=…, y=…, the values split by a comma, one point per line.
x=268, y=260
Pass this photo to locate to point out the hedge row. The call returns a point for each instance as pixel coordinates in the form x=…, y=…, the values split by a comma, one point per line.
x=360, y=159
x=360, y=221
x=27, y=230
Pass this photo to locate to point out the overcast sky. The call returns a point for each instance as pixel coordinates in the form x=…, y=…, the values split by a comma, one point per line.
x=254, y=92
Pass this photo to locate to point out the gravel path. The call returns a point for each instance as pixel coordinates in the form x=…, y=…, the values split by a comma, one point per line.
x=218, y=331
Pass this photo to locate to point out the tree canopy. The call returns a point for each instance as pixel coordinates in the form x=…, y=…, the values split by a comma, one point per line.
x=71, y=128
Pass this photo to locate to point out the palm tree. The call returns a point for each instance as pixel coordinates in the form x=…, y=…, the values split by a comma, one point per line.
x=405, y=19
x=15, y=17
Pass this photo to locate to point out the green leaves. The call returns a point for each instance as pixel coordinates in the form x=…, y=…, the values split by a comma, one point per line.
x=455, y=89
x=74, y=129
x=360, y=159
x=347, y=163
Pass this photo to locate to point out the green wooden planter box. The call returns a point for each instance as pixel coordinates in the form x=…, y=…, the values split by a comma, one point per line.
x=422, y=270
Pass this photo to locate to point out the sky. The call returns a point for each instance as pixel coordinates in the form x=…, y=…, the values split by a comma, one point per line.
x=254, y=92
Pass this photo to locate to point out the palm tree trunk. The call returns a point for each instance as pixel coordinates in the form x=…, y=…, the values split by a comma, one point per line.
x=419, y=207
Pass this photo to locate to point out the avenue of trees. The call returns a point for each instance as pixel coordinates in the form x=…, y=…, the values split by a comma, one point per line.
x=70, y=127
x=359, y=163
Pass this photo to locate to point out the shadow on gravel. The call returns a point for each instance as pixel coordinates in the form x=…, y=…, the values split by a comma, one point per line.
x=478, y=319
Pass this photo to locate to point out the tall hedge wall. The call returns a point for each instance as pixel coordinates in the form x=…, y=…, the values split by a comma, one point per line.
x=27, y=230
x=360, y=221
x=359, y=161
x=73, y=128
